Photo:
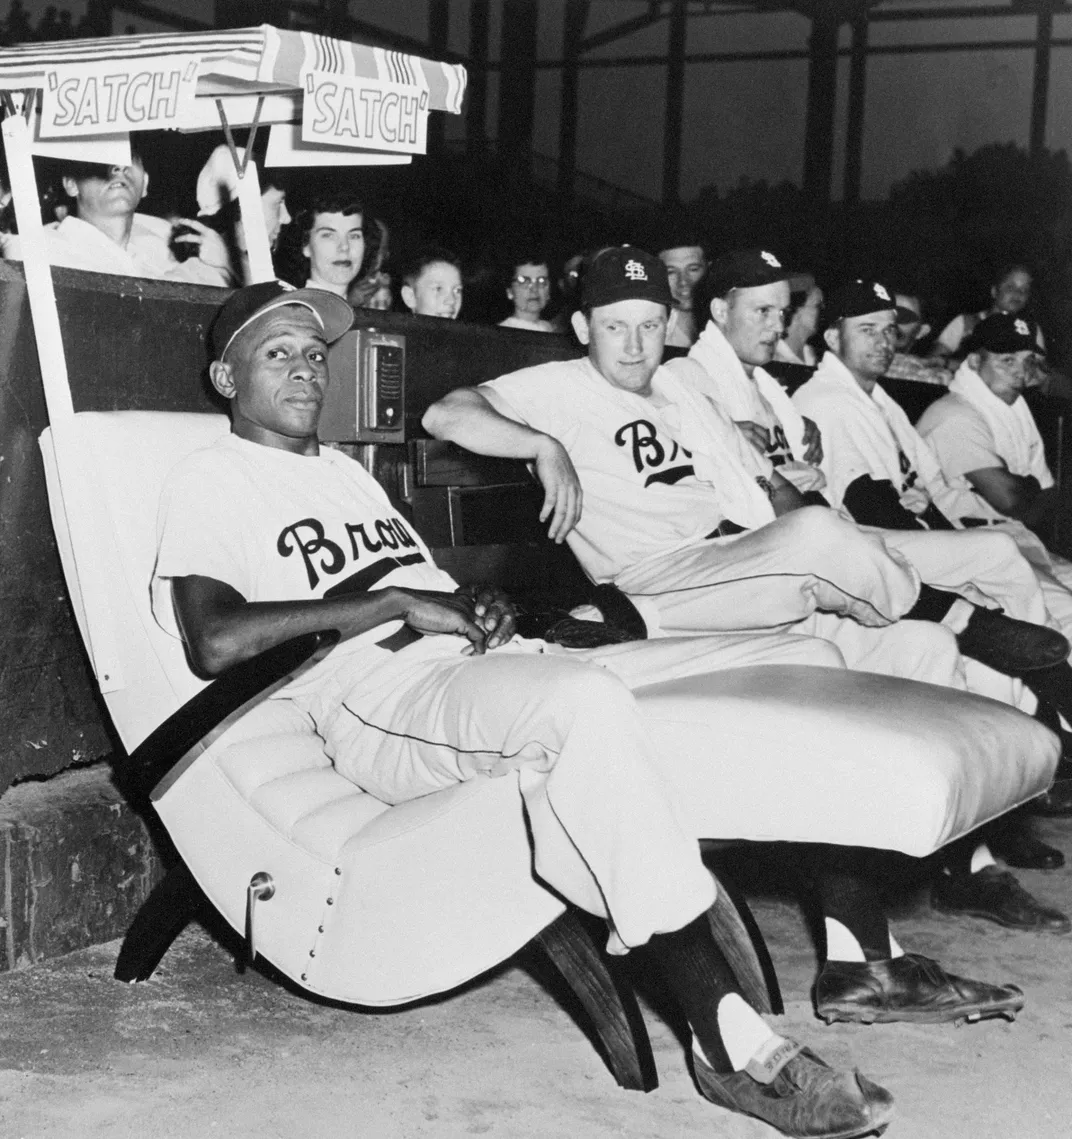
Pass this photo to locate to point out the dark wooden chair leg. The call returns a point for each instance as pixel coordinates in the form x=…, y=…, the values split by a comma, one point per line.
x=611, y=1004
x=168, y=910
x=740, y=939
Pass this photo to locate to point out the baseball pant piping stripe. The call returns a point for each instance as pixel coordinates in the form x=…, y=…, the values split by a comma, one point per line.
x=443, y=743
x=759, y=577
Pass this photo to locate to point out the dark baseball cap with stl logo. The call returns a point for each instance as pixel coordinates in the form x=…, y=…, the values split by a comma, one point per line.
x=1004, y=332
x=861, y=298
x=625, y=273
x=244, y=306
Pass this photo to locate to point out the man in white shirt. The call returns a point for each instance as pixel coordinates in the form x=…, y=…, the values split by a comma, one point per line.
x=106, y=234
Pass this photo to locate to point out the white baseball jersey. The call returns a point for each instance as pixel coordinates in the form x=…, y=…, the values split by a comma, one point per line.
x=646, y=491
x=276, y=526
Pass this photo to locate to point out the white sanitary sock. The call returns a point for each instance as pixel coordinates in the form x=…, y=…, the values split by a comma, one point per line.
x=841, y=945
x=981, y=858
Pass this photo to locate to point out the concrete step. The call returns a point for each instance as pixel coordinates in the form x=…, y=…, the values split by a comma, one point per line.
x=76, y=863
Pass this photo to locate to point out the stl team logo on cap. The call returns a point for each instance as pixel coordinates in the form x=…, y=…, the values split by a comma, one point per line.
x=635, y=271
x=771, y=260
x=1021, y=328
x=881, y=293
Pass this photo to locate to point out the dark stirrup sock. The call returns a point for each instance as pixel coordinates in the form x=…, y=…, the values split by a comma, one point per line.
x=842, y=882
x=932, y=604
x=697, y=974
x=1053, y=686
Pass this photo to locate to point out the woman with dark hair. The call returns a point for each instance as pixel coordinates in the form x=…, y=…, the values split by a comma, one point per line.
x=332, y=234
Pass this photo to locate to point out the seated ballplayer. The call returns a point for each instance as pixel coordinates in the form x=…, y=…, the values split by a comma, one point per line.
x=432, y=283
x=677, y=512
x=332, y=231
x=986, y=439
x=529, y=291
x=265, y=535
x=103, y=231
x=729, y=365
x=883, y=473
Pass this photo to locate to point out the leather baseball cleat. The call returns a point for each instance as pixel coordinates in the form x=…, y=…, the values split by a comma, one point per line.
x=910, y=988
x=1009, y=645
x=997, y=896
x=790, y=1088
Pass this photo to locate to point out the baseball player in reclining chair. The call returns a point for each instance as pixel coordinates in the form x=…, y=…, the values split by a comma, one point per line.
x=745, y=296
x=264, y=535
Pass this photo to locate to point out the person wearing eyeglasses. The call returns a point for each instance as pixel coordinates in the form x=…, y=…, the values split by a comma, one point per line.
x=529, y=289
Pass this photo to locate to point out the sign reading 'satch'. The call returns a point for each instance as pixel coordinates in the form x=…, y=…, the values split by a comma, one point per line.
x=112, y=96
x=375, y=114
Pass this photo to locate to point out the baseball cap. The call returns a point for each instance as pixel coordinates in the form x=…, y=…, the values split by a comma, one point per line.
x=745, y=269
x=243, y=307
x=1004, y=332
x=858, y=298
x=625, y=273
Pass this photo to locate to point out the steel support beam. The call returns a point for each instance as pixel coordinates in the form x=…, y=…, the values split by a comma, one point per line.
x=573, y=25
x=476, y=91
x=1040, y=93
x=517, y=84
x=854, y=133
x=822, y=97
x=438, y=38
x=675, y=102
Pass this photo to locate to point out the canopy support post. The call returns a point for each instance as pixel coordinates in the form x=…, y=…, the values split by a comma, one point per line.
x=79, y=505
x=258, y=249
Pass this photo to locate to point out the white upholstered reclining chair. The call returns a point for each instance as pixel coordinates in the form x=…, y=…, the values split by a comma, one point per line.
x=380, y=905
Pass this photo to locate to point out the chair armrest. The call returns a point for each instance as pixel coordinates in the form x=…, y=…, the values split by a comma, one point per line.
x=203, y=718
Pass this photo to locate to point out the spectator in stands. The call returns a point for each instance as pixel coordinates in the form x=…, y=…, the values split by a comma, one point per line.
x=686, y=263
x=529, y=290
x=802, y=322
x=906, y=364
x=1009, y=293
x=332, y=233
x=106, y=234
x=432, y=283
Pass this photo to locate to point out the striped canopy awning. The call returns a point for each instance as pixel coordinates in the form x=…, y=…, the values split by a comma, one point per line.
x=245, y=61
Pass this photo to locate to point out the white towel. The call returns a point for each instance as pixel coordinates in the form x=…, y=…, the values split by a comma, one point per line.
x=1016, y=436
x=739, y=395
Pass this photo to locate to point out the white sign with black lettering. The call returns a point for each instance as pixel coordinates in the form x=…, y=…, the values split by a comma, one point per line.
x=375, y=114
x=113, y=97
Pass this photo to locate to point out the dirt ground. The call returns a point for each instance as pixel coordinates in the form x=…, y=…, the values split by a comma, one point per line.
x=200, y=1051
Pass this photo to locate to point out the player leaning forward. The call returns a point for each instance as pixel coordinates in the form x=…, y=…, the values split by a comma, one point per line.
x=264, y=535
